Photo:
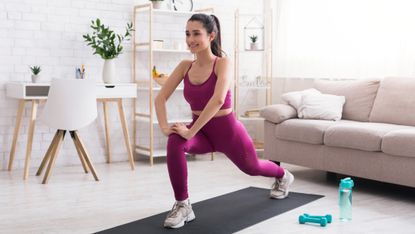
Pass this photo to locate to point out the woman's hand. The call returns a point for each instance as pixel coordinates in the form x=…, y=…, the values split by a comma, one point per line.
x=167, y=130
x=182, y=130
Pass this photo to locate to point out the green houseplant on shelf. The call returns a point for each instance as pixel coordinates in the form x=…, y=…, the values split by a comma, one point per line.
x=107, y=44
x=253, y=45
x=35, y=73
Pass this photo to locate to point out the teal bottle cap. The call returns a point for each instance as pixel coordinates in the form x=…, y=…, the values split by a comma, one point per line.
x=346, y=183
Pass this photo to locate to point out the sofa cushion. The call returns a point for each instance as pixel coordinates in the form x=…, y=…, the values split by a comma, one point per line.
x=294, y=98
x=278, y=113
x=321, y=106
x=303, y=130
x=400, y=142
x=358, y=135
x=360, y=95
x=395, y=102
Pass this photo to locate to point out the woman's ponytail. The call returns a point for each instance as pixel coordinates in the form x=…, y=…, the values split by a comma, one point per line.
x=216, y=44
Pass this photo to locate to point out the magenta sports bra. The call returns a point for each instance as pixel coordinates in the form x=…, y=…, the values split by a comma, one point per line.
x=199, y=95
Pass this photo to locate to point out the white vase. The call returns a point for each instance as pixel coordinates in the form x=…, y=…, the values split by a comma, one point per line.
x=254, y=46
x=35, y=78
x=108, y=72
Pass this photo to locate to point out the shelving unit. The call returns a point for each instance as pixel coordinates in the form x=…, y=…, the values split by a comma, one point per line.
x=163, y=51
x=263, y=89
x=144, y=81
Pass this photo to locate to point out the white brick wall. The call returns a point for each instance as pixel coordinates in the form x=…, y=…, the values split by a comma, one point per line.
x=49, y=33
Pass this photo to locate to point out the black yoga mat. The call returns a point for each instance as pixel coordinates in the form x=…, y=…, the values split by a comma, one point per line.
x=227, y=213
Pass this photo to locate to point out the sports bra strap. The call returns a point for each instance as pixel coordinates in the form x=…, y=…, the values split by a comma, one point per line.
x=189, y=68
x=213, y=69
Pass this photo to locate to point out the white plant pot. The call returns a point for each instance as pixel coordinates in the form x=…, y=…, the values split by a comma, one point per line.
x=254, y=46
x=35, y=78
x=157, y=4
x=108, y=72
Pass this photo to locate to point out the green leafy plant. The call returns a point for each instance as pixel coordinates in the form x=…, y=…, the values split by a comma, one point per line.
x=253, y=38
x=35, y=70
x=106, y=42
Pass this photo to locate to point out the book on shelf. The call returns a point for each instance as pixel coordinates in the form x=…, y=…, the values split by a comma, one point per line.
x=251, y=113
x=258, y=144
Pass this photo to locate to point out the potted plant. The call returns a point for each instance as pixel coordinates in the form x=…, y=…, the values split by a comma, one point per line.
x=35, y=73
x=107, y=44
x=157, y=3
x=253, y=44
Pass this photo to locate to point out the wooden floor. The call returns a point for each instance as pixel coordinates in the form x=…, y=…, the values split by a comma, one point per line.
x=73, y=202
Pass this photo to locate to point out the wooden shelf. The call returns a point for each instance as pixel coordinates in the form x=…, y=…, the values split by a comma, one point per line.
x=250, y=51
x=245, y=118
x=157, y=89
x=170, y=12
x=141, y=49
x=157, y=54
x=254, y=87
x=261, y=59
x=156, y=153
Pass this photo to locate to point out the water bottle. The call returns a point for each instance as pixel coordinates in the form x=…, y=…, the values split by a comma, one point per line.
x=345, y=199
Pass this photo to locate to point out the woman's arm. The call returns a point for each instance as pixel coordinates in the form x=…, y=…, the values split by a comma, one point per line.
x=167, y=89
x=222, y=86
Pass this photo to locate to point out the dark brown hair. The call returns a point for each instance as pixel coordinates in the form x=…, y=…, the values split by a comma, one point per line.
x=211, y=24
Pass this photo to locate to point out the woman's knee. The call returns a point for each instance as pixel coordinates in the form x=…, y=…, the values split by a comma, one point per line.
x=175, y=141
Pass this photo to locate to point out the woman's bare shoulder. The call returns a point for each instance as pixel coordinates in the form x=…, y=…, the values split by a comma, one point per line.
x=223, y=63
x=186, y=62
x=183, y=66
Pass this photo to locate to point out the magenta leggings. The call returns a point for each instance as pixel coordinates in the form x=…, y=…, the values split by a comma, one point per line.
x=223, y=134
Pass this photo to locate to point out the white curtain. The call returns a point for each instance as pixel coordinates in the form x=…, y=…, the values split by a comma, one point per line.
x=343, y=39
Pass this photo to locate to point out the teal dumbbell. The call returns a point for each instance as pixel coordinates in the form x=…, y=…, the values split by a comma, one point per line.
x=328, y=217
x=302, y=219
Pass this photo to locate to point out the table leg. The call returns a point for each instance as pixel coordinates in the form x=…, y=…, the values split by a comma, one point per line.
x=19, y=116
x=125, y=131
x=107, y=133
x=30, y=138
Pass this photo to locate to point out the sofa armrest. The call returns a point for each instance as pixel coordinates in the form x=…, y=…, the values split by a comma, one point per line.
x=278, y=113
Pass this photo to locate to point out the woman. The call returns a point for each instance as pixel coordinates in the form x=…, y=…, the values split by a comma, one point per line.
x=207, y=82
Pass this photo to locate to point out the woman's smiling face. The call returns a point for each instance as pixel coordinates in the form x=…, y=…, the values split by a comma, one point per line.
x=197, y=38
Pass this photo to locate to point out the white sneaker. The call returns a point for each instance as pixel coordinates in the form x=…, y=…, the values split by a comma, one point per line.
x=180, y=214
x=280, y=188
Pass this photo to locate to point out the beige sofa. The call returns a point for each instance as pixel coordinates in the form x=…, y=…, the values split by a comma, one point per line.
x=375, y=138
